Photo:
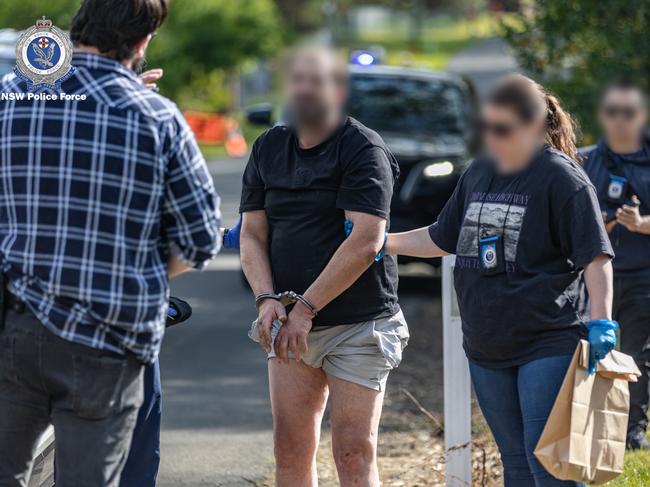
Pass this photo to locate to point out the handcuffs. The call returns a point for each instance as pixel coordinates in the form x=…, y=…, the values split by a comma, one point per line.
x=285, y=299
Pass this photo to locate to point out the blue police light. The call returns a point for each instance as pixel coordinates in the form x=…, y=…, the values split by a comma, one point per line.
x=363, y=58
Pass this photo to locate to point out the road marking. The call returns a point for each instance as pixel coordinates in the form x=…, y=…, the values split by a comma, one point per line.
x=227, y=166
x=224, y=262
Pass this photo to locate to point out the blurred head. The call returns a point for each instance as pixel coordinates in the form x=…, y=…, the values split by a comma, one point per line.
x=520, y=115
x=316, y=87
x=120, y=29
x=623, y=111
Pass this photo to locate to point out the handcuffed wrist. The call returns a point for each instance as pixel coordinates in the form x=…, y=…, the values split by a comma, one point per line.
x=262, y=297
x=285, y=299
x=303, y=308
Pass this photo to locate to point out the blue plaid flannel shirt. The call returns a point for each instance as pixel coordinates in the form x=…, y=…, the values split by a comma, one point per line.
x=95, y=196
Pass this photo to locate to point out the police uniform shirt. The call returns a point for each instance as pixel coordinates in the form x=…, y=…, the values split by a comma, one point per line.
x=632, y=248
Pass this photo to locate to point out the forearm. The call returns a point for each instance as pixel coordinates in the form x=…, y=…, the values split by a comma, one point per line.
x=175, y=267
x=347, y=264
x=416, y=243
x=256, y=264
x=599, y=282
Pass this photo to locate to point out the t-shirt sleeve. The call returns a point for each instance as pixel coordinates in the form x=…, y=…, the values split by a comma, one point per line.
x=367, y=183
x=581, y=229
x=444, y=232
x=252, y=194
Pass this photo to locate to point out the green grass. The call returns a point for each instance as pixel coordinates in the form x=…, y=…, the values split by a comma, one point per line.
x=213, y=151
x=636, y=473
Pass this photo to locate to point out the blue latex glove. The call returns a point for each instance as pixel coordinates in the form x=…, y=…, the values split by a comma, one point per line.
x=231, y=236
x=602, y=340
x=348, y=225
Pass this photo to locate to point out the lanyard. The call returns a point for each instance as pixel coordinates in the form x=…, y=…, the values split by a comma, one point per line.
x=505, y=220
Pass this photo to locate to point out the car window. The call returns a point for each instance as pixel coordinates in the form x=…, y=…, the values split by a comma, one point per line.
x=414, y=105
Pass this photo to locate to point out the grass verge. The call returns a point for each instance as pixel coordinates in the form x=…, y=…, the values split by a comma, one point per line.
x=636, y=473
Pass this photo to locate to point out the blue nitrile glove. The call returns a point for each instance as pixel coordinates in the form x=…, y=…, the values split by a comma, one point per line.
x=602, y=340
x=348, y=225
x=231, y=236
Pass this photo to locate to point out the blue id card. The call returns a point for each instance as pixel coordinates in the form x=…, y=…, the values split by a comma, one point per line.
x=616, y=189
x=491, y=255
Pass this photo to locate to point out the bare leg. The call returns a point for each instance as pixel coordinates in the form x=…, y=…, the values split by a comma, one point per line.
x=298, y=398
x=355, y=413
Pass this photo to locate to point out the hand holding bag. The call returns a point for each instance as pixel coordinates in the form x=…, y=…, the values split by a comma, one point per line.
x=584, y=437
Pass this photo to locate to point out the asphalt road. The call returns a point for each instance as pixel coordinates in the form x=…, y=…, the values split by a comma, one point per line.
x=217, y=428
x=216, y=419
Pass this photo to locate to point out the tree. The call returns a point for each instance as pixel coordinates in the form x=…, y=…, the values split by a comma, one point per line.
x=202, y=37
x=301, y=15
x=200, y=45
x=576, y=46
x=307, y=15
x=21, y=14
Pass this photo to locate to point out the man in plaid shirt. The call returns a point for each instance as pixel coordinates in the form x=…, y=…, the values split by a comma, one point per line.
x=101, y=201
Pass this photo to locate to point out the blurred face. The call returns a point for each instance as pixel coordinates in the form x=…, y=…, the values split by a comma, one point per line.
x=313, y=93
x=623, y=114
x=509, y=140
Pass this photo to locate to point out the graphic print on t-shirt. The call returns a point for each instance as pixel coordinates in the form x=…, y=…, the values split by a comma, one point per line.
x=493, y=222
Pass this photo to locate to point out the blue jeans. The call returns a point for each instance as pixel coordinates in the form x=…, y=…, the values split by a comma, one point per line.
x=516, y=402
x=141, y=467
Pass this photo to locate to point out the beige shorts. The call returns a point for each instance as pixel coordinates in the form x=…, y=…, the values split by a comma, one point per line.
x=363, y=353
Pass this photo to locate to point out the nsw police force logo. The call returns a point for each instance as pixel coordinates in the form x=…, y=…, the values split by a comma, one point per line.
x=44, y=56
x=489, y=256
x=615, y=190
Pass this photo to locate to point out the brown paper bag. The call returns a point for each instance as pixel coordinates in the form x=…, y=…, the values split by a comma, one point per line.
x=584, y=437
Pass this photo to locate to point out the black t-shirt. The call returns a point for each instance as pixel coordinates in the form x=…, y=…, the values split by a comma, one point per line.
x=305, y=194
x=551, y=224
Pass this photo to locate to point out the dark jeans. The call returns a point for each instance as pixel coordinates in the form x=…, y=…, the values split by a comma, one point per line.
x=91, y=397
x=142, y=465
x=632, y=311
x=516, y=402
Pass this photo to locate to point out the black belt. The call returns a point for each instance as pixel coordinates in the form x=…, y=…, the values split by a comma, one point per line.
x=13, y=303
x=8, y=302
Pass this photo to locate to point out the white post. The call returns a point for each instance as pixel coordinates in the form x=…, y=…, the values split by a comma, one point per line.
x=457, y=388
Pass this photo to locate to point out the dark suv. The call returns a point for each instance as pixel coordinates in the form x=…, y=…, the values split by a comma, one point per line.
x=427, y=119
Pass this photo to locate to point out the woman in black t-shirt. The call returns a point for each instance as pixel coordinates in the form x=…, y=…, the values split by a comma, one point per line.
x=525, y=226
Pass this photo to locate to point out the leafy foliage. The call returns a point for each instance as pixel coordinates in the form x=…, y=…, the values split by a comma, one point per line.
x=20, y=14
x=306, y=15
x=576, y=46
x=201, y=43
x=204, y=36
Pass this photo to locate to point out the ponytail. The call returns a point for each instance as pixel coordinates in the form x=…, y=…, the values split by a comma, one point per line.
x=560, y=127
x=531, y=101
